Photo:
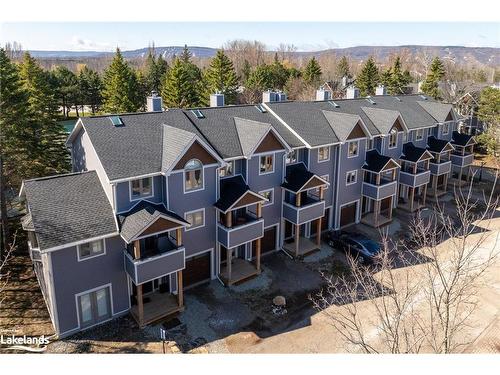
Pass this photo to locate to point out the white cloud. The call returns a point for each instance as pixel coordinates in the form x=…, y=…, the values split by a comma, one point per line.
x=81, y=44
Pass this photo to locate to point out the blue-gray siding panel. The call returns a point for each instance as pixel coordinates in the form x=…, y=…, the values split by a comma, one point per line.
x=414, y=180
x=304, y=214
x=72, y=277
x=379, y=192
x=123, y=202
x=441, y=168
x=241, y=234
x=148, y=269
x=322, y=169
x=462, y=161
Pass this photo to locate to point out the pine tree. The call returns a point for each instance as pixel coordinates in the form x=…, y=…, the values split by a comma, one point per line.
x=13, y=138
x=246, y=71
x=154, y=72
x=47, y=136
x=368, y=78
x=343, y=69
x=312, y=72
x=178, y=89
x=120, y=87
x=90, y=87
x=399, y=78
x=65, y=86
x=430, y=86
x=221, y=77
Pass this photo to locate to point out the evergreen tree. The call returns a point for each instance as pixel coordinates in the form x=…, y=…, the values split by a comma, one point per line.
x=48, y=153
x=13, y=136
x=90, y=87
x=221, y=77
x=312, y=72
x=65, y=86
x=246, y=71
x=179, y=90
x=154, y=72
x=398, y=79
x=368, y=78
x=343, y=69
x=261, y=78
x=120, y=87
x=430, y=86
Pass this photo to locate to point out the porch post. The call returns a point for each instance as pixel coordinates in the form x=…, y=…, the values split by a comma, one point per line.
x=318, y=237
x=180, y=292
x=140, y=305
x=228, y=261
x=297, y=200
x=390, y=207
x=137, y=249
x=460, y=176
x=412, y=197
x=376, y=212
x=178, y=235
x=258, y=241
x=425, y=194
x=229, y=219
x=297, y=235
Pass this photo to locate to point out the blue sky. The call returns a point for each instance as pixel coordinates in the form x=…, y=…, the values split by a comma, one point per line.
x=306, y=36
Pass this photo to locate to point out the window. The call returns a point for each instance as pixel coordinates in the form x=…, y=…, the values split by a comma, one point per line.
x=141, y=188
x=227, y=170
x=323, y=154
x=198, y=114
x=193, y=175
x=419, y=134
x=405, y=137
x=90, y=249
x=266, y=164
x=94, y=307
x=393, y=138
x=116, y=120
x=291, y=157
x=195, y=218
x=353, y=147
x=269, y=195
x=370, y=144
x=351, y=177
x=446, y=128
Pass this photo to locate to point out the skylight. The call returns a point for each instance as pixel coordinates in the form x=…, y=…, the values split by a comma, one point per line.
x=198, y=113
x=397, y=98
x=370, y=100
x=423, y=97
x=261, y=108
x=116, y=120
x=335, y=105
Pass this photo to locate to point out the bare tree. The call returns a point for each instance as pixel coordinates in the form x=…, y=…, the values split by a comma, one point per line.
x=4, y=273
x=417, y=301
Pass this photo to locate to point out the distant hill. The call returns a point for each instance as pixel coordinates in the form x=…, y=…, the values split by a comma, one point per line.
x=483, y=55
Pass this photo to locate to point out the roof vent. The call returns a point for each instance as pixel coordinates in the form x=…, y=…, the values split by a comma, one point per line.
x=116, y=120
x=198, y=113
x=370, y=100
x=335, y=105
x=397, y=98
x=261, y=108
x=423, y=97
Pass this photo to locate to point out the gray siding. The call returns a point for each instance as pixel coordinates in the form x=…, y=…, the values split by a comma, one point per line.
x=72, y=277
x=323, y=168
x=203, y=238
x=123, y=202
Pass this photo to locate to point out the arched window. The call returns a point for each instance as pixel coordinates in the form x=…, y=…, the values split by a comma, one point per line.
x=193, y=175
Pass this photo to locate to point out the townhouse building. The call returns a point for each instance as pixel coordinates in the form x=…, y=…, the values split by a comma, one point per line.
x=165, y=200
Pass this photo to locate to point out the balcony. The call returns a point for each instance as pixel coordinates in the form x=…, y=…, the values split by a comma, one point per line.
x=382, y=191
x=459, y=160
x=155, y=263
x=245, y=228
x=438, y=169
x=310, y=209
x=422, y=177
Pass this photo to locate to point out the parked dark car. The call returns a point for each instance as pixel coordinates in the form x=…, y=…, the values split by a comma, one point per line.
x=360, y=247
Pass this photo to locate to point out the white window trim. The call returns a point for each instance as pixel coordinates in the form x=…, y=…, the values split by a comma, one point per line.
x=271, y=201
x=80, y=259
x=326, y=177
x=368, y=141
x=193, y=190
x=110, y=286
x=286, y=157
x=274, y=161
x=199, y=226
x=327, y=159
x=355, y=177
x=132, y=199
x=417, y=138
x=233, y=168
x=447, y=124
x=389, y=141
x=357, y=152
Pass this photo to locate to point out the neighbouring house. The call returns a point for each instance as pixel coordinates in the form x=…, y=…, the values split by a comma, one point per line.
x=161, y=201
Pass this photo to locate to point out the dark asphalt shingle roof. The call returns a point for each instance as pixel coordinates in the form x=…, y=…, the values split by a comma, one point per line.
x=250, y=133
x=297, y=175
x=175, y=141
x=27, y=222
x=439, y=111
x=436, y=145
x=136, y=148
x=219, y=127
x=383, y=119
x=69, y=208
x=342, y=124
x=375, y=162
x=231, y=190
x=141, y=216
x=412, y=153
x=461, y=139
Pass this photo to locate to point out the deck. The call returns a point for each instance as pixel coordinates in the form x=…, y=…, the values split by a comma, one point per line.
x=417, y=205
x=306, y=246
x=240, y=270
x=158, y=306
x=440, y=192
x=369, y=219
